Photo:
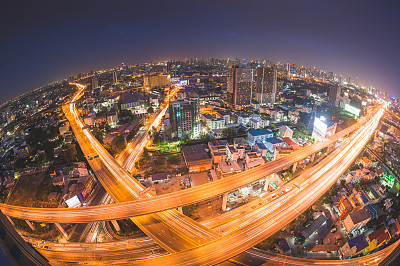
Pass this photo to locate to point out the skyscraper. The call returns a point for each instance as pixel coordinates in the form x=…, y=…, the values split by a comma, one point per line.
x=185, y=118
x=334, y=95
x=240, y=86
x=95, y=82
x=115, y=76
x=266, y=85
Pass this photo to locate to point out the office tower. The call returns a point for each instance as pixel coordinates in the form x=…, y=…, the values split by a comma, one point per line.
x=185, y=118
x=115, y=76
x=266, y=85
x=95, y=82
x=334, y=95
x=156, y=81
x=240, y=86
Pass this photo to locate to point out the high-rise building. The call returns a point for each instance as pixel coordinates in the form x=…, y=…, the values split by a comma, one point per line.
x=95, y=82
x=156, y=81
x=185, y=118
x=240, y=86
x=266, y=85
x=334, y=95
x=115, y=76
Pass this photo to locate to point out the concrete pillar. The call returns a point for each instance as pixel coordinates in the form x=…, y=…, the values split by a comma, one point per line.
x=30, y=225
x=11, y=221
x=312, y=157
x=224, y=201
x=266, y=184
x=59, y=227
x=116, y=225
x=294, y=167
x=180, y=209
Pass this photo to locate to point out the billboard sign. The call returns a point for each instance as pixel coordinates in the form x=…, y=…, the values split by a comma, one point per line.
x=73, y=202
x=320, y=126
x=352, y=110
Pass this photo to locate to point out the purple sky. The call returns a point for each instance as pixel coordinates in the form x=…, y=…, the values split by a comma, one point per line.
x=44, y=41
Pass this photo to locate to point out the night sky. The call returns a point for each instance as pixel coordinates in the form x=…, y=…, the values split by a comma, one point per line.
x=44, y=41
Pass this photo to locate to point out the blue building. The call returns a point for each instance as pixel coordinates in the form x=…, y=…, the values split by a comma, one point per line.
x=258, y=135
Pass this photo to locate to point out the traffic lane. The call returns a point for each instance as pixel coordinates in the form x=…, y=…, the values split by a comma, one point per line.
x=244, y=238
x=171, y=200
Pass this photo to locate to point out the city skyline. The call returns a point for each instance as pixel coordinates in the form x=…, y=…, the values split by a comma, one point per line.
x=349, y=38
x=200, y=132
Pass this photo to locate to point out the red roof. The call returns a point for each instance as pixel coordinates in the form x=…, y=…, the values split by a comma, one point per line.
x=290, y=142
x=381, y=235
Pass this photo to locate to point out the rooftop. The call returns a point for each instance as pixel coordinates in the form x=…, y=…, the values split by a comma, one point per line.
x=360, y=215
x=360, y=242
x=195, y=153
x=380, y=235
x=260, y=132
x=260, y=145
x=274, y=140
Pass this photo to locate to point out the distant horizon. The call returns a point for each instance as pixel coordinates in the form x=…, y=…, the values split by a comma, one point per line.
x=352, y=38
x=180, y=59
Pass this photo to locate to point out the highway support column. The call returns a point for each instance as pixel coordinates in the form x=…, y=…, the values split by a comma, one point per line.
x=180, y=209
x=11, y=221
x=116, y=225
x=294, y=167
x=59, y=227
x=224, y=201
x=312, y=157
x=30, y=225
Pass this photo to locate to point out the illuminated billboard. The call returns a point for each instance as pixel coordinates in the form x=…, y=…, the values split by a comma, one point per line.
x=320, y=126
x=73, y=202
x=352, y=110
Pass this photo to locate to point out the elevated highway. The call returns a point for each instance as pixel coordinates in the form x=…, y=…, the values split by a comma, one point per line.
x=126, y=208
x=313, y=183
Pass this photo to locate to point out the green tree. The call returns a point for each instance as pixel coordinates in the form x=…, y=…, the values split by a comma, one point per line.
x=150, y=110
x=70, y=153
x=241, y=131
x=273, y=126
x=228, y=132
x=118, y=144
x=98, y=135
x=145, y=153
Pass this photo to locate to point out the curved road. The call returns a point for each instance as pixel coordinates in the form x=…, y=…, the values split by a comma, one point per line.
x=172, y=200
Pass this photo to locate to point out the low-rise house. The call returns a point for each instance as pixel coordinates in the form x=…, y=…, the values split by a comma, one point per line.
x=272, y=143
x=314, y=226
x=224, y=115
x=89, y=119
x=58, y=180
x=356, y=219
x=99, y=120
x=218, y=151
x=357, y=175
x=354, y=246
x=230, y=167
x=64, y=127
x=285, y=132
x=261, y=148
x=258, y=135
x=159, y=177
x=253, y=159
x=258, y=123
x=377, y=238
x=53, y=196
x=344, y=207
x=395, y=228
x=196, y=158
x=235, y=152
x=366, y=163
x=112, y=117
x=283, y=247
x=23, y=151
